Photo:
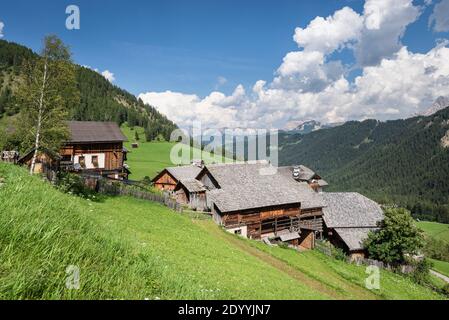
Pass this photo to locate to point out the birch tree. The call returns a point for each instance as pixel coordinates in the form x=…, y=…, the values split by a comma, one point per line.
x=47, y=92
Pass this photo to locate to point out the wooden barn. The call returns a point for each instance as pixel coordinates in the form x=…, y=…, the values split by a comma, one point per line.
x=168, y=179
x=192, y=193
x=249, y=200
x=47, y=162
x=348, y=218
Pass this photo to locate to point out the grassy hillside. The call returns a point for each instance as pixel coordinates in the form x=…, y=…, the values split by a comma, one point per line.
x=127, y=248
x=440, y=266
x=435, y=230
x=151, y=157
x=438, y=231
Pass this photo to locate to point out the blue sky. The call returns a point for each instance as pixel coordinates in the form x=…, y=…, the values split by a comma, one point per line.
x=187, y=46
x=178, y=45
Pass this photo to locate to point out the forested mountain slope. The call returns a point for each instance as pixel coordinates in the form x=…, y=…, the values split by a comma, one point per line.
x=401, y=161
x=100, y=100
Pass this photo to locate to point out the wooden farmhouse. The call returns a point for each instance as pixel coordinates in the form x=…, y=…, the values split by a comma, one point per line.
x=256, y=202
x=348, y=218
x=94, y=148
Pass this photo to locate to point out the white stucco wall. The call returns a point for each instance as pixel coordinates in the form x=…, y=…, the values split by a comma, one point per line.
x=244, y=231
x=88, y=160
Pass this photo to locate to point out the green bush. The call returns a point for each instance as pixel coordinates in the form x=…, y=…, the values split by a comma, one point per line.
x=445, y=289
x=397, y=238
x=283, y=245
x=74, y=184
x=339, y=254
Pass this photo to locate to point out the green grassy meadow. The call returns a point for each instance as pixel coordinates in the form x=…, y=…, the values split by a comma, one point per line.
x=135, y=249
x=435, y=230
x=151, y=157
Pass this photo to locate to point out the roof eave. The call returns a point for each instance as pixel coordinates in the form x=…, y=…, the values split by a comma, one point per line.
x=257, y=208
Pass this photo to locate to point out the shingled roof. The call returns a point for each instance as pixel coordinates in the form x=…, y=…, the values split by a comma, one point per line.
x=192, y=185
x=247, y=186
x=94, y=131
x=350, y=210
x=188, y=172
x=354, y=237
x=352, y=216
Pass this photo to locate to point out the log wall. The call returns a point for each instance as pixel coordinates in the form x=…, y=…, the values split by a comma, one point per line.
x=113, y=153
x=165, y=182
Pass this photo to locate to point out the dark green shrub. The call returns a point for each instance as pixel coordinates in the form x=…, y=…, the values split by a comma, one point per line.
x=397, y=238
x=339, y=254
x=283, y=245
x=445, y=289
x=421, y=273
x=74, y=184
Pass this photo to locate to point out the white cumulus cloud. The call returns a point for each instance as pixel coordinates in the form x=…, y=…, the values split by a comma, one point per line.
x=329, y=34
x=385, y=24
x=2, y=25
x=108, y=75
x=311, y=84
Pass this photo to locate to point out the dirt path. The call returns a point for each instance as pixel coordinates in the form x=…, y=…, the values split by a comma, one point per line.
x=283, y=266
x=439, y=275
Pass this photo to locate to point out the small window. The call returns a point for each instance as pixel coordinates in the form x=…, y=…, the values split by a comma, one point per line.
x=82, y=161
x=238, y=231
x=66, y=158
x=95, y=161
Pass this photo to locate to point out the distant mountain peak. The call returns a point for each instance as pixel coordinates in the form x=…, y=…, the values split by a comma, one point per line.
x=308, y=126
x=440, y=103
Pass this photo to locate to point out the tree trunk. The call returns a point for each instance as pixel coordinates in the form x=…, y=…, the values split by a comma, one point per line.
x=39, y=120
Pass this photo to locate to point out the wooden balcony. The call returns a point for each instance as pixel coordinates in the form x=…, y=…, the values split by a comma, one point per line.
x=279, y=226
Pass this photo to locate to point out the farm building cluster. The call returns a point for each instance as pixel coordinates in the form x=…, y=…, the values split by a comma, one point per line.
x=285, y=204
x=251, y=199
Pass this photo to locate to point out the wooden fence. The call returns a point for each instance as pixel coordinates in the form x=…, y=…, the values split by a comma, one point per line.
x=123, y=188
